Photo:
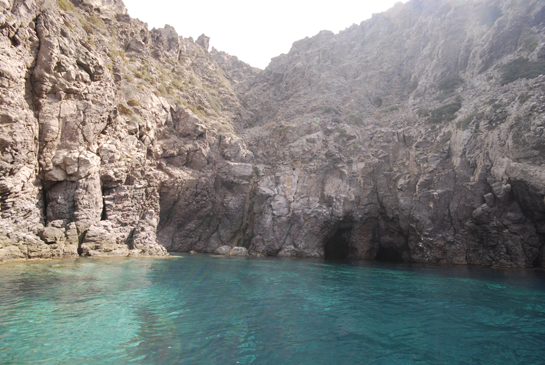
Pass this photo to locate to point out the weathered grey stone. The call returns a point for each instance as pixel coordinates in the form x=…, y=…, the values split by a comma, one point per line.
x=238, y=251
x=223, y=250
x=100, y=240
x=52, y=235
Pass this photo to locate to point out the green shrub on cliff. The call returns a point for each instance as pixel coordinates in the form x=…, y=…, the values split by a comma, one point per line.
x=96, y=20
x=446, y=113
x=124, y=110
x=133, y=102
x=450, y=83
x=331, y=110
x=524, y=98
x=423, y=112
x=521, y=68
x=354, y=119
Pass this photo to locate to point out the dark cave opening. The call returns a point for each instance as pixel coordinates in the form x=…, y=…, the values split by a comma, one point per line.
x=389, y=254
x=338, y=246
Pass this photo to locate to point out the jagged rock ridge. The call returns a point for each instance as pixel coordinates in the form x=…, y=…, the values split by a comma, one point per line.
x=414, y=136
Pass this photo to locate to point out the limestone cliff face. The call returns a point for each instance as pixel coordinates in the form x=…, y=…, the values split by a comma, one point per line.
x=414, y=136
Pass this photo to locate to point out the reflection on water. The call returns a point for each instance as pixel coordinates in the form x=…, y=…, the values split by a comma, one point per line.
x=213, y=310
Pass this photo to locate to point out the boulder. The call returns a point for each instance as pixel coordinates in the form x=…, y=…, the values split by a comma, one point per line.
x=223, y=250
x=52, y=235
x=238, y=251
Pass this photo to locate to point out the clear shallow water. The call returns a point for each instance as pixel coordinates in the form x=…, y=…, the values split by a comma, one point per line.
x=212, y=310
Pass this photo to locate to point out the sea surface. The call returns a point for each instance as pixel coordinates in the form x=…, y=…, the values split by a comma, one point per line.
x=218, y=310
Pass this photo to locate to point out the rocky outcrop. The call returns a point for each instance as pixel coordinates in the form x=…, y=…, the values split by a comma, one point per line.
x=231, y=251
x=203, y=41
x=400, y=139
x=98, y=129
x=237, y=72
x=414, y=136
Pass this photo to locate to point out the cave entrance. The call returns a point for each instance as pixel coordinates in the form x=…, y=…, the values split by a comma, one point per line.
x=338, y=246
x=389, y=254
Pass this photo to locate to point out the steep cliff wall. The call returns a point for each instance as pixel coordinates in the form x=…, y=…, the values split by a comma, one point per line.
x=403, y=138
x=105, y=125
x=414, y=136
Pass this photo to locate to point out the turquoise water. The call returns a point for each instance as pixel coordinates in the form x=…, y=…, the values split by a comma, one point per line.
x=212, y=310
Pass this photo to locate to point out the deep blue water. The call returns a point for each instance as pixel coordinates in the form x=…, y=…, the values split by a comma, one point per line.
x=212, y=310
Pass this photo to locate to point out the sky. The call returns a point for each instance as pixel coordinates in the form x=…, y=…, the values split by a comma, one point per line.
x=254, y=31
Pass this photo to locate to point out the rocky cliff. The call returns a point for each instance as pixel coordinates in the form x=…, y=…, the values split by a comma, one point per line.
x=414, y=136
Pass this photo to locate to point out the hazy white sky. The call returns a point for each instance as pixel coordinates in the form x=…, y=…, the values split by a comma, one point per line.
x=253, y=30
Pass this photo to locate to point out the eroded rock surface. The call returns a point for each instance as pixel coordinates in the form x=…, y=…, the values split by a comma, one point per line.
x=408, y=137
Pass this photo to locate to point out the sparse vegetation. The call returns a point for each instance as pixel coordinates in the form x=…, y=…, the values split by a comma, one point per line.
x=532, y=45
x=177, y=85
x=523, y=98
x=446, y=113
x=214, y=103
x=497, y=106
x=521, y=68
x=423, y=112
x=114, y=53
x=162, y=90
x=449, y=84
x=133, y=102
x=494, y=104
x=65, y=5
x=331, y=110
x=354, y=119
x=193, y=109
x=86, y=26
x=464, y=123
x=96, y=20
x=124, y=110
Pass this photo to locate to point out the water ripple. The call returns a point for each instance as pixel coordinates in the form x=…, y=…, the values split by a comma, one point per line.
x=212, y=310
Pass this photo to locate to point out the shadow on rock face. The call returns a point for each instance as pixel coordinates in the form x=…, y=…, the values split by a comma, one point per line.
x=386, y=254
x=338, y=246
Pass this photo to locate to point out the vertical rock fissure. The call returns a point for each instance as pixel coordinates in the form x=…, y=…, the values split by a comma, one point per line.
x=80, y=242
x=243, y=224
